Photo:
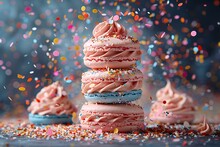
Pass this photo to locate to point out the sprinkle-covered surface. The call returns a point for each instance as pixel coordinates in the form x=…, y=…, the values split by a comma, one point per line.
x=42, y=41
x=21, y=132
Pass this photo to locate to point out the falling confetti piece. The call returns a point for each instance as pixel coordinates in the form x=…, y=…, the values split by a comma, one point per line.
x=28, y=9
x=20, y=76
x=126, y=13
x=193, y=33
x=162, y=35
x=22, y=88
x=195, y=49
x=63, y=58
x=70, y=26
x=180, y=4
x=56, y=53
x=34, y=28
x=148, y=25
x=29, y=79
x=55, y=40
x=27, y=102
x=193, y=77
x=116, y=18
x=94, y=11
x=37, y=85
x=136, y=17
x=77, y=47
x=85, y=15
x=58, y=18
x=10, y=98
x=11, y=44
x=56, y=73
x=83, y=8
x=80, y=17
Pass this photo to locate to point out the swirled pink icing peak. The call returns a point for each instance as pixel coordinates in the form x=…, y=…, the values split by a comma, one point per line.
x=106, y=28
x=52, y=100
x=204, y=128
x=172, y=106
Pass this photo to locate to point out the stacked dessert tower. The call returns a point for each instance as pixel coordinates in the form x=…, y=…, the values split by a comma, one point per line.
x=113, y=82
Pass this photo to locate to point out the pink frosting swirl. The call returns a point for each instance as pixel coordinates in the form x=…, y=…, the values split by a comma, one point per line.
x=101, y=87
x=106, y=29
x=87, y=117
x=204, y=128
x=108, y=55
x=52, y=100
x=172, y=106
x=111, y=80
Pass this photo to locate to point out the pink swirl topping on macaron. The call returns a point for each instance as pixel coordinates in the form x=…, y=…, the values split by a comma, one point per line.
x=204, y=128
x=111, y=80
x=111, y=47
x=52, y=100
x=172, y=106
x=108, y=29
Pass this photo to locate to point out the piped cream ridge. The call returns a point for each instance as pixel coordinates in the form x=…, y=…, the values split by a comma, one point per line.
x=111, y=80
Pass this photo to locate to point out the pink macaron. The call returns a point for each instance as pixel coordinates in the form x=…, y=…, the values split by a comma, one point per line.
x=111, y=80
x=111, y=52
x=108, y=117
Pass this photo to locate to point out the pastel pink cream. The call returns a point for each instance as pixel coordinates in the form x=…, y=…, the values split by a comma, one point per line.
x=172, y=106
x=124, y=117
x=112, y=80
x=52, y=100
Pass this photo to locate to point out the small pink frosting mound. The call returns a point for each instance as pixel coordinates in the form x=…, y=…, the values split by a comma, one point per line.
x=172, y=106
x=107, y=29
x=52, y=100
x=204, y=128
x=111, y=80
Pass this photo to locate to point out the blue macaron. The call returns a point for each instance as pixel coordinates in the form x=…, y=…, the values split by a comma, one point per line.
x=50, y=119
x=113, y=97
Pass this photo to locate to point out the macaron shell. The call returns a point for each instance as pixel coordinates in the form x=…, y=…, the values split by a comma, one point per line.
x=113, y=108
x=109, y=64
x=125, y=117
x=50, y=119
x=114, y=97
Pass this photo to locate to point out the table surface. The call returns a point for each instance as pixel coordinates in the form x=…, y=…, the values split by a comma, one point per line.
x=12, y=133
x=212, y=141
